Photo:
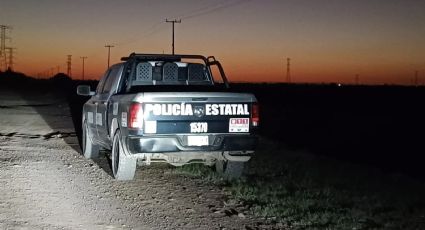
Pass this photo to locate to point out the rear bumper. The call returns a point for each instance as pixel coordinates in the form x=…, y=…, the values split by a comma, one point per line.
x=178, y=143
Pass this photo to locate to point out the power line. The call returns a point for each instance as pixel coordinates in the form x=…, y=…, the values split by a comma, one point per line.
x=84, y=58
x=173, y=22
x=210, y=8
x=207, y=9
x=152, y=30
x=109, y=52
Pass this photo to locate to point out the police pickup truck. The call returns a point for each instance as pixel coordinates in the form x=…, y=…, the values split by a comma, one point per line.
x=168, y=108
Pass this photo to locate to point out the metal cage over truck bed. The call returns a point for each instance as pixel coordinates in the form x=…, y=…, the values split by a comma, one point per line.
x=166, y=69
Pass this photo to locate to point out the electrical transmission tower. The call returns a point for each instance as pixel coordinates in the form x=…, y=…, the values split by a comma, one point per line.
x=9, y=64
x=3, y=38
x=288, y=70
x=68, y=63
x=173, y=22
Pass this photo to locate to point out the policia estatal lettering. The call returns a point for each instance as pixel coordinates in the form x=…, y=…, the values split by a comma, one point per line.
x=187, y=110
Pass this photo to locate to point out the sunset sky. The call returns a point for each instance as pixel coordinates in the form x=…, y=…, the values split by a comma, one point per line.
x=383, y=41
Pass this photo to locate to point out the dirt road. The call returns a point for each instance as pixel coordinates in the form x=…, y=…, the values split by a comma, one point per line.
x=46, y=184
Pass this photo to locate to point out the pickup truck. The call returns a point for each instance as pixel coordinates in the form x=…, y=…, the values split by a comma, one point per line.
x=168, y=108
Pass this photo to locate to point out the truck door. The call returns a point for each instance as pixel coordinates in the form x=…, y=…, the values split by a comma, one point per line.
x=91, y=107
x=108, y=90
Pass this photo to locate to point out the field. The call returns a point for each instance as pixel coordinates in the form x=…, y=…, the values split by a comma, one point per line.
x=381, y=126
x=338, y=157
x=330, y=157
x=305, y=191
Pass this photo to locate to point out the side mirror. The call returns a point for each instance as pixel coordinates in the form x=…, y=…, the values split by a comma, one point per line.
x=84, y=90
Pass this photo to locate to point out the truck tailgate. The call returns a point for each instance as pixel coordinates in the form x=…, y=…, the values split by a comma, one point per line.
x=195, y=113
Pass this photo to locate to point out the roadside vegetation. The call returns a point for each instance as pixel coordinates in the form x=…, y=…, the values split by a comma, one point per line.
x=301, y=191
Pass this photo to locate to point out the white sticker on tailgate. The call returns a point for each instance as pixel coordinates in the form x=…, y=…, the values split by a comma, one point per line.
x=150, y=126
x=239, y=125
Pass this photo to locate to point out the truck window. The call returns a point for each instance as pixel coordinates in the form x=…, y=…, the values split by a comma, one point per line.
x=112, y=79
x=99, y=87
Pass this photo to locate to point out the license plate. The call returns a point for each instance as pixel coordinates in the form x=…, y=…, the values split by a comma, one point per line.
x=239, y=125
x=197, y=140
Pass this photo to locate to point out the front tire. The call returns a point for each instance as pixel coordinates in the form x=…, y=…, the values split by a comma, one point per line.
x=123, y=165
x=89, y=149
x=230, y=169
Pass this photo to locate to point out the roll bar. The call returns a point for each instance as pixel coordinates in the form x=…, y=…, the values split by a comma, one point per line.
x=210, y=61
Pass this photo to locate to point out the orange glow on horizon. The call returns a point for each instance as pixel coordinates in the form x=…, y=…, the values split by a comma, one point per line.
x=382, y=43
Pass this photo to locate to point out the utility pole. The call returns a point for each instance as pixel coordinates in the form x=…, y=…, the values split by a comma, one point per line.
x=288, y=70
x=173, y=22
x=109, y=52
x=84, y=58
x=68, y=62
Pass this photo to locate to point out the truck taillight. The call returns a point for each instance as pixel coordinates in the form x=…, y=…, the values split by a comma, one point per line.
x=255, y=114
x=135, y=119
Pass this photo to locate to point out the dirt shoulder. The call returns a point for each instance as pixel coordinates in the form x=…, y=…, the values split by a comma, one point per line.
x=46, y=184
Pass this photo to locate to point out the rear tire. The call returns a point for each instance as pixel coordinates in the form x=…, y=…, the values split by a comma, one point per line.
x=89, y=149
x=123, y=165
x=230, y=169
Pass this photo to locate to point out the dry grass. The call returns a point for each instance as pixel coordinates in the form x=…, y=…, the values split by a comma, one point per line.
x=303, y=191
